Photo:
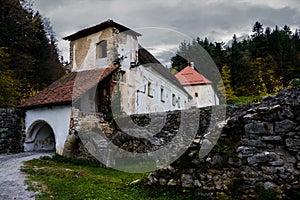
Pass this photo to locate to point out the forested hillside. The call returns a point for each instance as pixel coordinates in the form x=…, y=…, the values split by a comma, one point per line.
x=29, y=59
x=260, y=64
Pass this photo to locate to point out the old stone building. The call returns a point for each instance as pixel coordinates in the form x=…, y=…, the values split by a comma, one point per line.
x=110, y=74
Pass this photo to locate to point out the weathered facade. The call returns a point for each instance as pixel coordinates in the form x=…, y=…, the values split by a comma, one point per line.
x=145, y=84
x=110, y=74
x=49, y=115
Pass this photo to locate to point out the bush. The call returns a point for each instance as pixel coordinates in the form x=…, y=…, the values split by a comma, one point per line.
x=295, y=83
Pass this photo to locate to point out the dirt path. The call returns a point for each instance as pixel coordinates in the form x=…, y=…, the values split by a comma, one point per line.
x=12, y=179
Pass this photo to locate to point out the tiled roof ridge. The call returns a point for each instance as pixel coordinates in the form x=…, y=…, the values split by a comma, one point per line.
x=189, y=76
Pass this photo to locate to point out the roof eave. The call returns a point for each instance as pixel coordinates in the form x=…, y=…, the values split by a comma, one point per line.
x=100, y=27
x=54, y=104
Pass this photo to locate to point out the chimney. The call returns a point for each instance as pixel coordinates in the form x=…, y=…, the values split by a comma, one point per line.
x=192, y=65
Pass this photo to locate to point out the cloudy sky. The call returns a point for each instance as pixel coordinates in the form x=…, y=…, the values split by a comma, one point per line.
x=165, y=23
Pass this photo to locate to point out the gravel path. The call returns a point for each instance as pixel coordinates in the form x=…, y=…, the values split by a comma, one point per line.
x=12, y=179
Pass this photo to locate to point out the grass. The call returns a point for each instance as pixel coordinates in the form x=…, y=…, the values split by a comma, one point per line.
x=60, y=178
x=244, y=100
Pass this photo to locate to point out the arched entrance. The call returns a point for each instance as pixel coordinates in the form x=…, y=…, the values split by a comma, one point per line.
x=40, y=137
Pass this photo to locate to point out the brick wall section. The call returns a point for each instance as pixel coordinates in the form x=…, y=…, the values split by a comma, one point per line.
x=11, y=130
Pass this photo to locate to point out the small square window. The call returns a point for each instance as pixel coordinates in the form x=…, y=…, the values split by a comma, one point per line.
x=101, y=49
x=122, y=76
x=173, y=99
x=162, y=94
x=150, y=89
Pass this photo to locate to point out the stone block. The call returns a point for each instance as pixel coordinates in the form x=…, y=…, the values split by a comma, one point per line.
x=246, y=150
x=235, y=161
x=256, y=128
x=172, y=182
x=162, y=181
x=187, y=181
x=286, y=113
x=269, y=185
x=252, y=143
x=284, y=126
x=277, y=163
x=272, y=138
x=197, y=183
x=293, y=143
x=262, y=158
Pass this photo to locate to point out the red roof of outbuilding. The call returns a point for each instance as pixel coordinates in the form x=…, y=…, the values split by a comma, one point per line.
x=189, y=76
x=68, y=88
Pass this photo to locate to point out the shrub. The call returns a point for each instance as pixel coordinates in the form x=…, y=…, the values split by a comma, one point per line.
x=295, y=83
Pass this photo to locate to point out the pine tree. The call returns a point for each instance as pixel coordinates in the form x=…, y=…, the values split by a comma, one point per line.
x=24, y=39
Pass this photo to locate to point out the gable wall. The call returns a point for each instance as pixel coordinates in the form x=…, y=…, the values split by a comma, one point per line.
x=206, y=95
x=83, y=50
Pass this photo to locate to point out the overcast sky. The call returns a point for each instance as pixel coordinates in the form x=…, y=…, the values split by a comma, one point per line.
x=165, y=23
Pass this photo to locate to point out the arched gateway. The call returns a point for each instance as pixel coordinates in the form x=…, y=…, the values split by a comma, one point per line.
x=40, y=137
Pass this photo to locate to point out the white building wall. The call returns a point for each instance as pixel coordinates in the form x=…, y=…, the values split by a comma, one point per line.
x=206, y=95
x=57, y=117
x=135, y=96
x=134, y=89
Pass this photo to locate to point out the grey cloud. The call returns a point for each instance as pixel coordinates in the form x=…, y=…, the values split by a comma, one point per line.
x=218, y=19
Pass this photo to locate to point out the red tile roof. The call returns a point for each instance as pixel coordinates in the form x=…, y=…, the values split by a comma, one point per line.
x=68, y=88
x=189, y=76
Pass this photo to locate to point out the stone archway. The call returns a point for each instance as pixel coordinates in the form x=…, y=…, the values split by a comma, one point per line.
x=40, y=137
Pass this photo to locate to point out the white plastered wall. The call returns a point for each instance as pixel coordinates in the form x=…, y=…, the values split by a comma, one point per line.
x=135, y=98
x=58, y=118
x=206, y=95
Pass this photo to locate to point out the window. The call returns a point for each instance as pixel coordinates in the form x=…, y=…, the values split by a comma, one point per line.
x=162, y=94
x=150, y=89
x=122, y=76
x=101, y=49
x=178, y=101
x=196, y=94
x=173, y=100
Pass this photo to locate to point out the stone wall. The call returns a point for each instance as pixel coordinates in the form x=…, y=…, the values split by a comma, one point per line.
x=11, y=134
x=259, y=148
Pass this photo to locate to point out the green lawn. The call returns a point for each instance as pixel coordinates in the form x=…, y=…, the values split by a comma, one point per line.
x=244, y=100
x=59, y=178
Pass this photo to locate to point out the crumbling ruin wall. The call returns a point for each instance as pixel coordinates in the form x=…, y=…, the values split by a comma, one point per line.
x=259, y=147
x=11, y=130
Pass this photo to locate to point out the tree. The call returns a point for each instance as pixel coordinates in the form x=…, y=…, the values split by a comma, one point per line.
x=8, y=83
x=257, y=29
x=24, y=39
x=178, y=63
x=266, y=61
x=227, y=90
